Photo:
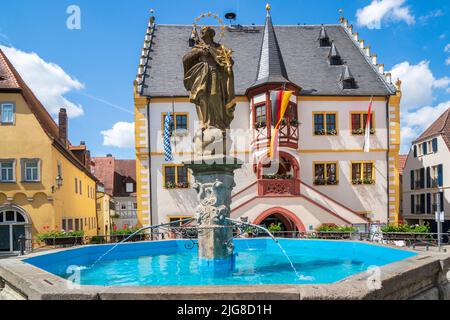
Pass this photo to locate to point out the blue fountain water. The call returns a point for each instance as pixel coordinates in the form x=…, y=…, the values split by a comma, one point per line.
x=258, y=262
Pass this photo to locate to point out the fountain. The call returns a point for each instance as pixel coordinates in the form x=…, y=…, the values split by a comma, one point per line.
x=208, y=76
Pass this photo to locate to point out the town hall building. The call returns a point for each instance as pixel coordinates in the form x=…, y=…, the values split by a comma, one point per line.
x=324, y=175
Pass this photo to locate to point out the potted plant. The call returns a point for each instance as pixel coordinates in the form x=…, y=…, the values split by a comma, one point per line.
x=332, y=132
x=358, y=132
x=332, y=182
x=320, y=132
x=275, y=228
x=295, y=123
x=260, y=125
x=332, y=231
x=357, y=182
x=119, y=235
x=61, y=238
x=319, y=182
x=405, y=232
x=369, y=182
x=170, y=185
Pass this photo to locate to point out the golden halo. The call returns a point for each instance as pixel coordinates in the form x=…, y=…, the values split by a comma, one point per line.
x=216, y=17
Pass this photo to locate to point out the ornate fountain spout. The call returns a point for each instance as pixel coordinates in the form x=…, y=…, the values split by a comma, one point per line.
x=208, y=76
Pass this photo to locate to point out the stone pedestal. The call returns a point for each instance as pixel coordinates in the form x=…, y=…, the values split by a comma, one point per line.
x=214, y=182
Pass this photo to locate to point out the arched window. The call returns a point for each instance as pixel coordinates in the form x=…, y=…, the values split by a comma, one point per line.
x=13, y=225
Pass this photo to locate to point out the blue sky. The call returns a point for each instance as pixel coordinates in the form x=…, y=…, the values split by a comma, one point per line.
x=92, y=69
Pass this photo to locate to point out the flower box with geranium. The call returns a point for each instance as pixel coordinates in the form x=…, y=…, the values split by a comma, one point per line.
x=118, y=235
x=61, y=238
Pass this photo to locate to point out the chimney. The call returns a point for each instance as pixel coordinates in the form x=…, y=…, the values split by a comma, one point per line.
x=63, y=125
x=109, y=155
x=88, y=160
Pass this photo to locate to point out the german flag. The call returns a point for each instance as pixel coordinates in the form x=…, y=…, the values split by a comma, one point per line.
x=280, y=102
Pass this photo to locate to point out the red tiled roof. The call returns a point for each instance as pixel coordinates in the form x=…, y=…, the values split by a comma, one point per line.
x=402, y=162
x=440, y=126
x=11, y=81
x=103, y=169
x=114, y=174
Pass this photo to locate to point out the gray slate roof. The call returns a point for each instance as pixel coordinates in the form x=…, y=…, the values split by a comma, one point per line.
x=271, y=66
x=307, y=64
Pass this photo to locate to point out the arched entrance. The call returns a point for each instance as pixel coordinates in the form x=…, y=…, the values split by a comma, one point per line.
x=14, y=222
x=290, y=224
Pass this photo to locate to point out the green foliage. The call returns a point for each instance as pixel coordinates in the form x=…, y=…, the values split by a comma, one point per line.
x=60, y=234
x=334, y=228
x=405, y=228
x=126, y=231
x=273, y=228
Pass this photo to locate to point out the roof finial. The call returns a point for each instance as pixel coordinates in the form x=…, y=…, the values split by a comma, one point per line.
x=398, y=84
x=268, y=7
x=341, y=17
x=152, y=17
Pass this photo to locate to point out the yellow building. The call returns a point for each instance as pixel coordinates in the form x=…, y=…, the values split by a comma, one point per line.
x=105, y=210
x=45, y=182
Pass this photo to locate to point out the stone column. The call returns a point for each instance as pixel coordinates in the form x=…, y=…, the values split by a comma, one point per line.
x=214, y=182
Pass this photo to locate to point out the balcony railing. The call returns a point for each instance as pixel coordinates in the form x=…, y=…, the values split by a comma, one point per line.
x=278, y=187
x=289, y=134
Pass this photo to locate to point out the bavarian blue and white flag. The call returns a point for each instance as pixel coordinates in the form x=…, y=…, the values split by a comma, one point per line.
x=168, y=156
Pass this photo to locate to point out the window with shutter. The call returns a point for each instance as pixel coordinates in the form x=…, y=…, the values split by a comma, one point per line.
x=422, y=178
x=429, y=203
x=424, y=148
x=435, y=145
x=413, y=183
x=413, y=205
x=422, y=203
x=415, y=151
x=428, y=177
x=441, y=194
x=441, y=175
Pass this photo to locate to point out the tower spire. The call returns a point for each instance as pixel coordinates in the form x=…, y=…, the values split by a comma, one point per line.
x=271, y=67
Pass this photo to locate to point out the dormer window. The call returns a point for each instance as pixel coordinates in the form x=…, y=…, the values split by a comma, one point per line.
x=334, y=56
x=324, y=40
x=347, y=79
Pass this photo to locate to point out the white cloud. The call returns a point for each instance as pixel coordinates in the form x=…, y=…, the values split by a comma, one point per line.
x=47, y=80
x=416, y=122
x=418, y=84
x=431, y=15
x=447, y=48
x=121, y=135
x=447, y=62
x=372, y=15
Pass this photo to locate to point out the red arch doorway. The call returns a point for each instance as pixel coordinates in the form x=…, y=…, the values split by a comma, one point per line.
x=289, y=222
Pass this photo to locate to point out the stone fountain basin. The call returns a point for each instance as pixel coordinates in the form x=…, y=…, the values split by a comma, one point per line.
x=421, y=276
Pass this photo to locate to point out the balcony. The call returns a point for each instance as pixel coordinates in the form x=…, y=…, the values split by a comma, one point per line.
x=288, y=137
x=279, y=187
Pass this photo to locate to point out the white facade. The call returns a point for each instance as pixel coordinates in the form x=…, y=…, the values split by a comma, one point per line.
x=341, y=204
x=437, y=182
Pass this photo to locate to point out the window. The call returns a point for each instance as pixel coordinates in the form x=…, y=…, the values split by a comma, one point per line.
x=363, y=173
x=176, y=177
x=178, y=219
x=418, y=179
x=77, y=224
x=129, y=187
x=325, y=124
x=70, y=225
x=179, y=121
x=260, y=116
x=64, y=224
x=358, y=122
x=76, y=185
x=7, y=171
x=7, y=113
x=418, y=204
x=326, y=174
x=81, y=187
x=30, y=170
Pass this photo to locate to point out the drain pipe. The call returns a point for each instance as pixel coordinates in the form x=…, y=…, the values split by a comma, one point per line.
x=387, y=159
x=150, y=206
